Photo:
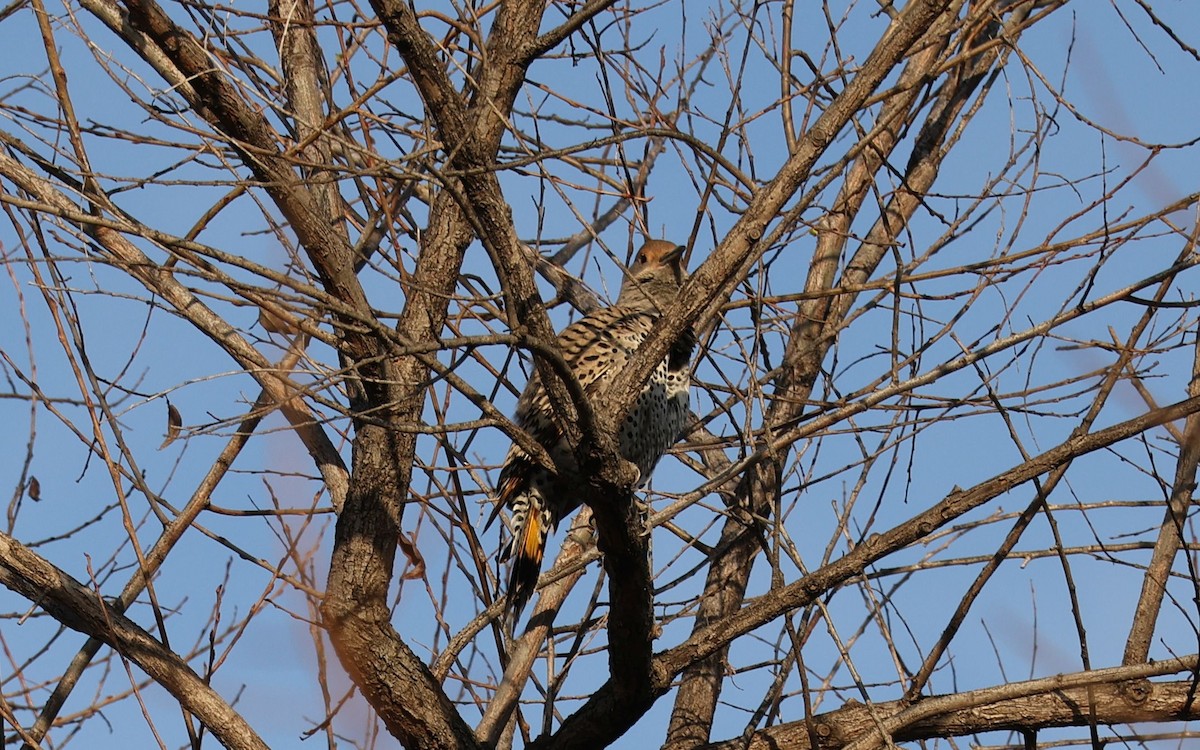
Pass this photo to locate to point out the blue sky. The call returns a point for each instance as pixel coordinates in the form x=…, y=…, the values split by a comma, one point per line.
x=1020, y=628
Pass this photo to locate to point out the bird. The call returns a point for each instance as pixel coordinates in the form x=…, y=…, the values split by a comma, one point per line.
x=596, y=348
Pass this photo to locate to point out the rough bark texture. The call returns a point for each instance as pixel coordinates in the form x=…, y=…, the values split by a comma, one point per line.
x=1052, y=707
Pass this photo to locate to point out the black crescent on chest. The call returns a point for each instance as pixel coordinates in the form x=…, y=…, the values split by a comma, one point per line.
x=680, y=354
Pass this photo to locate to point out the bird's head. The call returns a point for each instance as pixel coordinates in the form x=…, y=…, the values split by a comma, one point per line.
x=654, y=279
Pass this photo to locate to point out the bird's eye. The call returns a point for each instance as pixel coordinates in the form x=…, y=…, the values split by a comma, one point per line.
x=641, y=258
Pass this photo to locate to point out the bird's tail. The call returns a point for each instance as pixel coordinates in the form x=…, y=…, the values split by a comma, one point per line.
x=524, y=554
x=531, y=525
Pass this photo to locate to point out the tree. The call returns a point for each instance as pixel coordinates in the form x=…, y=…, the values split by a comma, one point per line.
x=945, y=409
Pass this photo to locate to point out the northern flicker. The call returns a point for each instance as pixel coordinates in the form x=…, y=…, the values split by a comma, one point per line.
x=596, y=348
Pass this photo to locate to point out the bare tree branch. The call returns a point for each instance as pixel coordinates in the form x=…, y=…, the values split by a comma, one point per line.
x=74, y=605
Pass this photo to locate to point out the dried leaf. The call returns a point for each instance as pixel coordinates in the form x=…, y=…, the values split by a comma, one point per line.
x=416, y=562
x=273, y=323
x=174, y=424
x=35, y=489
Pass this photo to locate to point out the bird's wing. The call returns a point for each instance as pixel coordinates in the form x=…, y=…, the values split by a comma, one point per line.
x=595, y=347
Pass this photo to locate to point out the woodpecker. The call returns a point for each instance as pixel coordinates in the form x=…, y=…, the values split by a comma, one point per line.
x=596, y=348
